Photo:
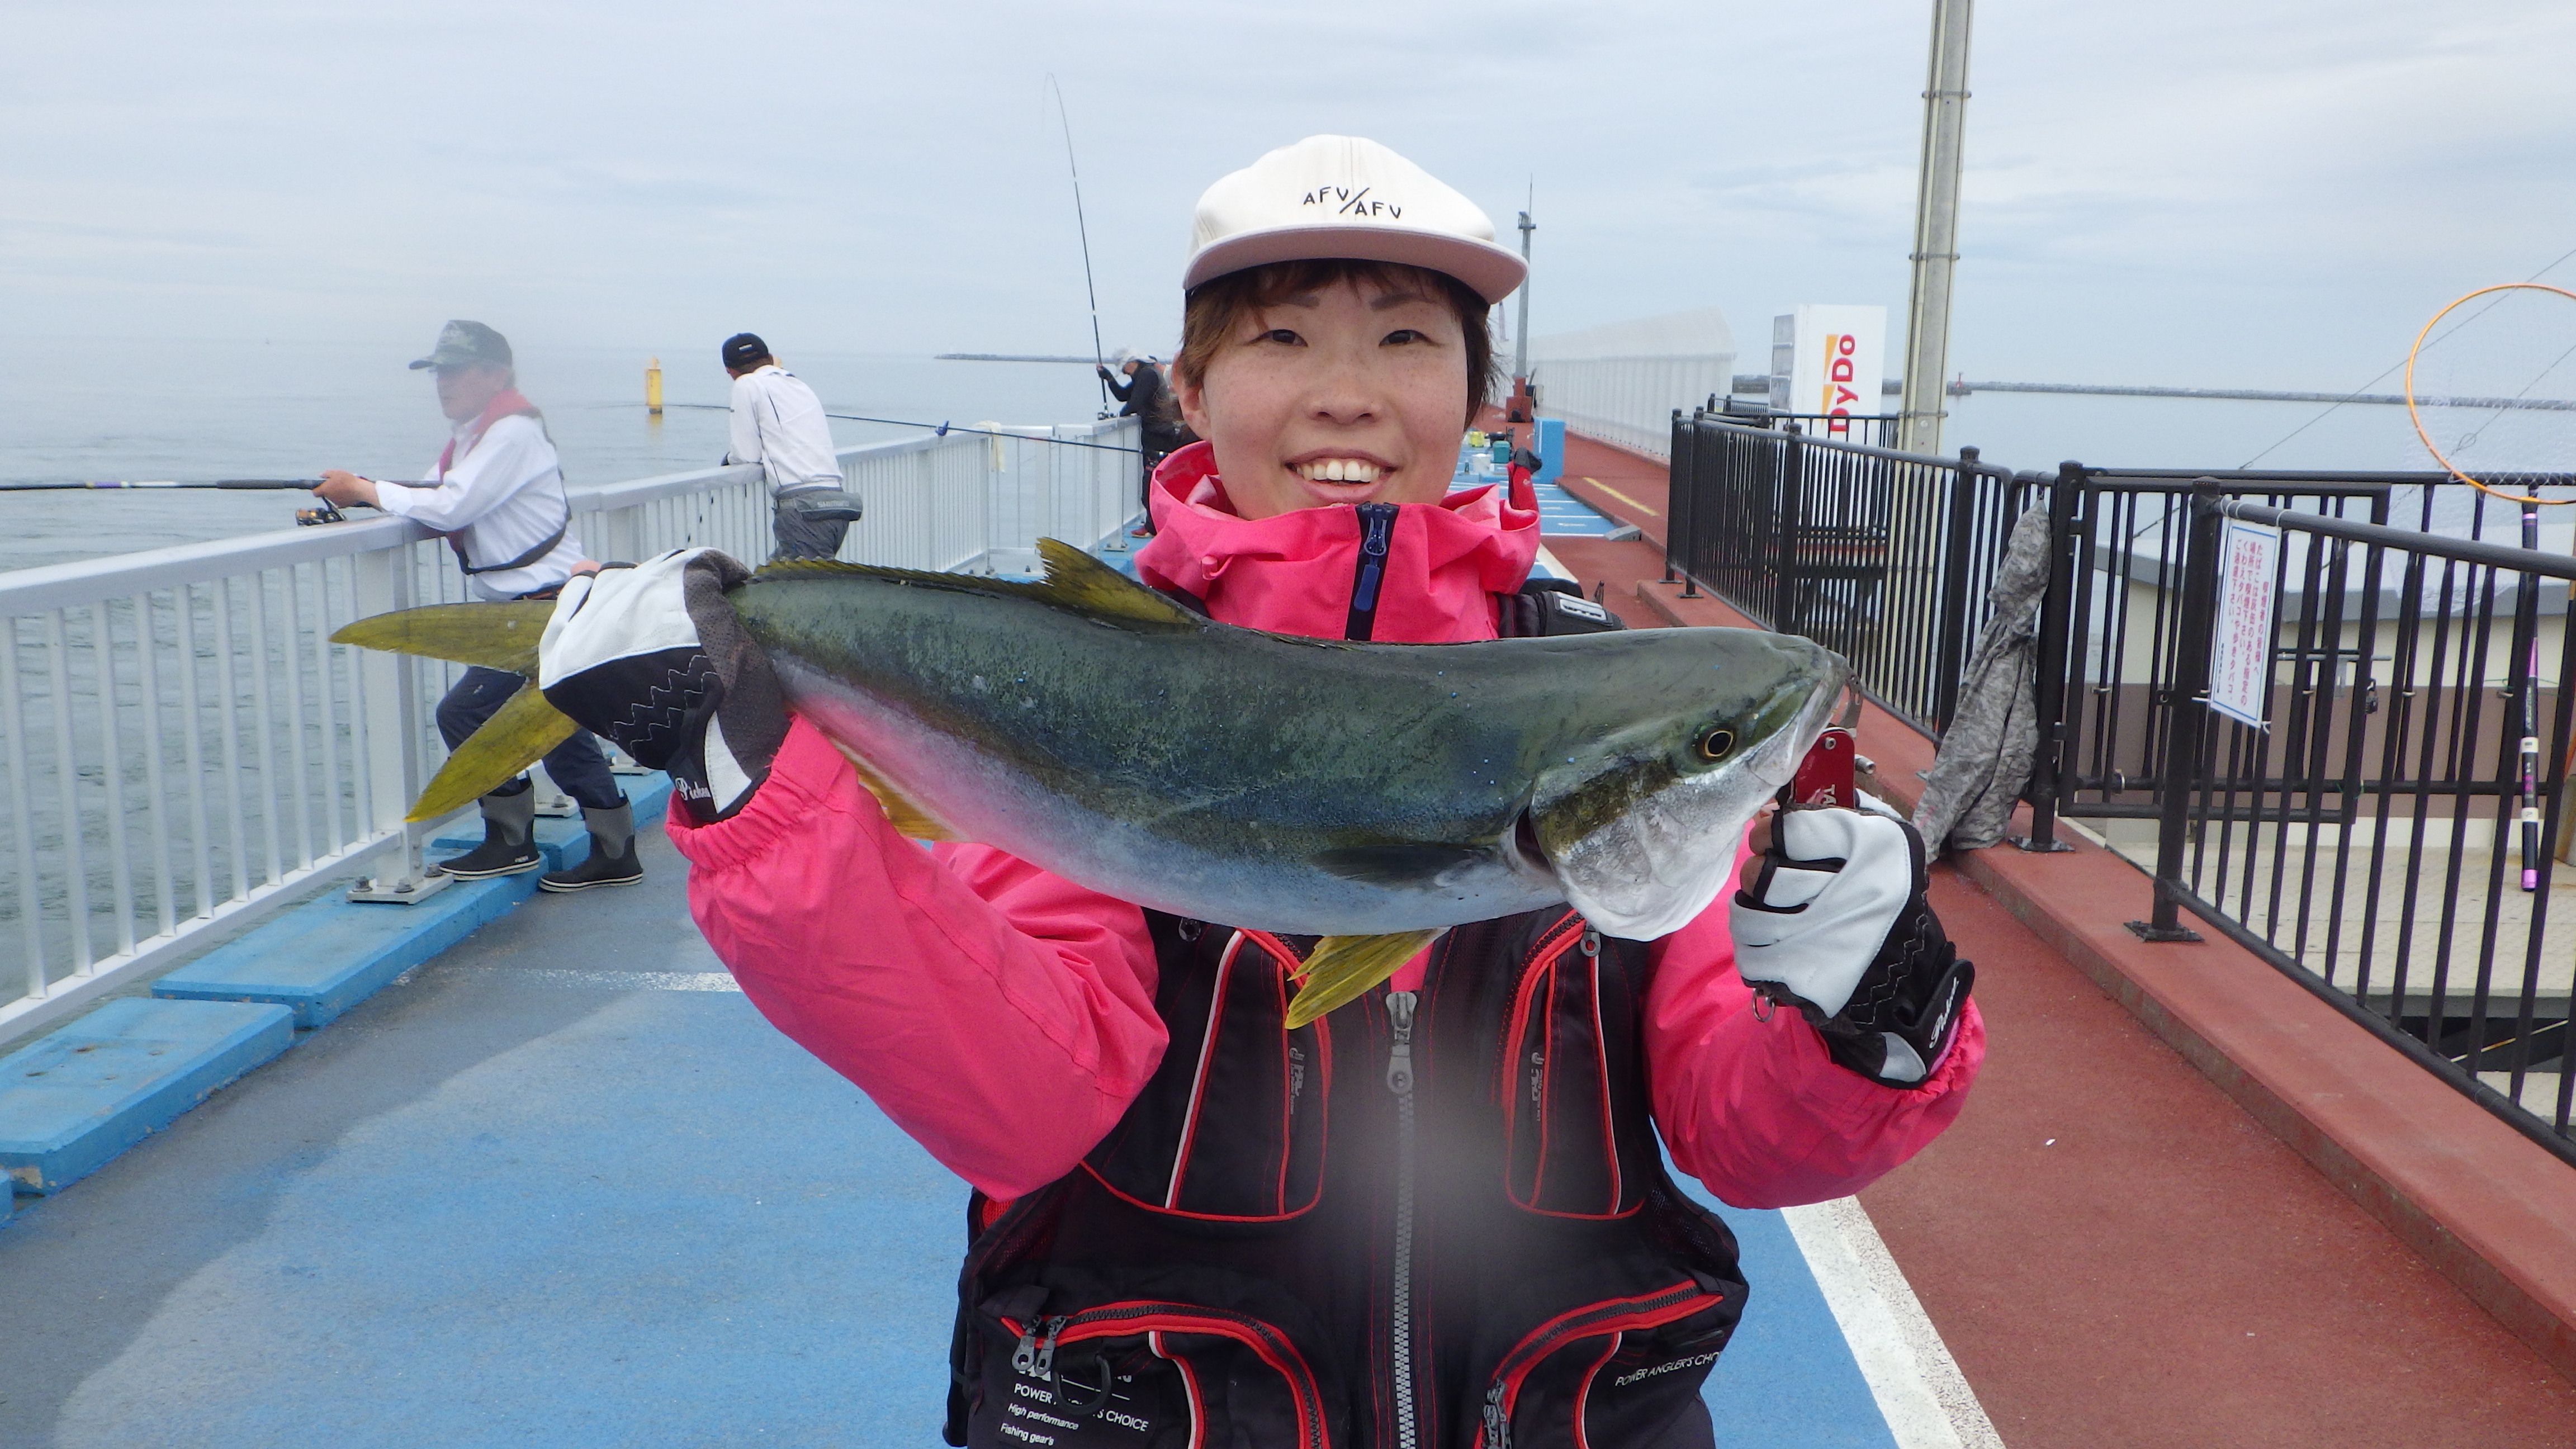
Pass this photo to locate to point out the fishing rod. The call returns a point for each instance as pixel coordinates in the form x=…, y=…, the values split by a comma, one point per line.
x=305, y=517
x=306, y=484
x=936, y=429
x=1083, y=226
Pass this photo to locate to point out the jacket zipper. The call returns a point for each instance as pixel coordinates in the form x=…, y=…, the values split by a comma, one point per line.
x=1652, y=1311
x=1039, y=1339
x=1399, y=1080
x=1377, y=533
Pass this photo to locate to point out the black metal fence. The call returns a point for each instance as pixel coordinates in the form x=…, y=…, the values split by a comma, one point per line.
x=1883, y=557
x=2386, y=836
x=2110, y=632
x=2360, y=841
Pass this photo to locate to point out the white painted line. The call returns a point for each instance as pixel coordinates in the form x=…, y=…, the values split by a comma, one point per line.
x=607, y=980
x=1926, y=1401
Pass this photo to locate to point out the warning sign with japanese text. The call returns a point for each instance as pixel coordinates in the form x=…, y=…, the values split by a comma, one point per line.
x=2240, y=654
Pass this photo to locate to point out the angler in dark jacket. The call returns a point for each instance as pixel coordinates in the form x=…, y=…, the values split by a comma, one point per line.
x=1160, y=430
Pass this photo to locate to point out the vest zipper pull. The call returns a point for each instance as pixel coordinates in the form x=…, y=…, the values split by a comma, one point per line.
x=1498, y=1427
x=1024, y=1359
x=1591, y=941
x=1042, y=1360
x=1399, y=1059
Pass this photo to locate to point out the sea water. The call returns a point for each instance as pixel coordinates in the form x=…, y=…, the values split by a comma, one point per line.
x=201, y=411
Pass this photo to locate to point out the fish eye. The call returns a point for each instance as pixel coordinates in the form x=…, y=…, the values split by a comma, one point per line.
x=1716, y=743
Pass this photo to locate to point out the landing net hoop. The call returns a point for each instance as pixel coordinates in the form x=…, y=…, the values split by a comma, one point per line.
x=2415, y=415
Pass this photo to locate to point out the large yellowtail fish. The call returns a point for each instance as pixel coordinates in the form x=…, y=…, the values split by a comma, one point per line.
x=1370, y=794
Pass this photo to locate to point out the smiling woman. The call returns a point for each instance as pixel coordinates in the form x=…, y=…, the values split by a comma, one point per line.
x=1144, y=1079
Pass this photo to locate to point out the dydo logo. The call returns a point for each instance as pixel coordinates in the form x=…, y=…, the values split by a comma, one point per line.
x=1837, y=399
x=1834, y=372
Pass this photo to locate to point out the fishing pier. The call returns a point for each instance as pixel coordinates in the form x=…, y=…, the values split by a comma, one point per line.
x=481, y=1170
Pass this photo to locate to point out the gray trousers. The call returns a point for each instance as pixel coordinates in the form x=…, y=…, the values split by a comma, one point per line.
x=802, y=536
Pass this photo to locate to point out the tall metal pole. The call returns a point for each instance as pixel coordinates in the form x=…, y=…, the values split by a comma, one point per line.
x=1936, y=228
x=1520, y=340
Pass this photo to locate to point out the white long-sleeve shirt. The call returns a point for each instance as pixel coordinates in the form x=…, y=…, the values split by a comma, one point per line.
x=506, y=495
x=779, y=424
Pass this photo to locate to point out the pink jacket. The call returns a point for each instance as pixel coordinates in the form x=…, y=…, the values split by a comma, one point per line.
x=1004, y=1016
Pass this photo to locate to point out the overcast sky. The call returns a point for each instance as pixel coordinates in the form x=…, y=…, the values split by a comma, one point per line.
x=2196, y=192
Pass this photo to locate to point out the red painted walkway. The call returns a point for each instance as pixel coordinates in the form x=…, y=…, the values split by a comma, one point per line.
x=2116, y=1252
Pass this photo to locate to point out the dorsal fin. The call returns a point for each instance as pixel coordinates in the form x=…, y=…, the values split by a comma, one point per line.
x=1075, y=582
x=1086, y=585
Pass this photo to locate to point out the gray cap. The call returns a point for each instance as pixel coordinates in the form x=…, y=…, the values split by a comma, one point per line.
x=467, y=344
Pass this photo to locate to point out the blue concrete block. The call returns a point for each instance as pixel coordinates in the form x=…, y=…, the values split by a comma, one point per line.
x=326, y=956
x=1550, y=450
x=87, y=1091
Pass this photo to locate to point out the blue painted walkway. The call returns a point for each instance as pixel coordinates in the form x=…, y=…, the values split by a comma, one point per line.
x=563, y=1186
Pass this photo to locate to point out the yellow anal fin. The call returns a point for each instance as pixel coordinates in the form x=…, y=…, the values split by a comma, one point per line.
x=496, y=636
x=1342, y=967
x=906, y=817
x=516, y=736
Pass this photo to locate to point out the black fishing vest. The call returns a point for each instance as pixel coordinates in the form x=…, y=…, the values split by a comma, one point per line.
x=1431, y=1220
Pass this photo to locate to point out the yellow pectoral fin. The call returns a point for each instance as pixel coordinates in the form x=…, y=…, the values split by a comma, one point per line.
x=1343, y=967
x=496, y=636
x=516, y=736
x=906, y=817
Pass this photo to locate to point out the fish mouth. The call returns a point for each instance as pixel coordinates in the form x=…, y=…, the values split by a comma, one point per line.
x=1775, y=761
x=1521, y=848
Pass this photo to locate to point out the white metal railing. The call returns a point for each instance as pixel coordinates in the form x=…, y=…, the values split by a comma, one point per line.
x=182, y=747
x=1620, y=382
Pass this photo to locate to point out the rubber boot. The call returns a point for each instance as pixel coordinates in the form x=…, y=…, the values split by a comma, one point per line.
x=612, y=854
x=509, y=837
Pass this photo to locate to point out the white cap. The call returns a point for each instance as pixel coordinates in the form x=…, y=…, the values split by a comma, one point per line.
x=1343, y=196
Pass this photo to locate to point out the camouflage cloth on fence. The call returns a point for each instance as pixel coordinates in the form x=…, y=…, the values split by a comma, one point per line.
x=1987, y=754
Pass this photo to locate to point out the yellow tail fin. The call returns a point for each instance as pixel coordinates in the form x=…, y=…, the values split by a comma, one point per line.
x=496, y=636
x=515, y=737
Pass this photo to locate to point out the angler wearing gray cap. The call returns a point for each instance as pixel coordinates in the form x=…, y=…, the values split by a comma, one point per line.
x=779, y=424
x=497, y=494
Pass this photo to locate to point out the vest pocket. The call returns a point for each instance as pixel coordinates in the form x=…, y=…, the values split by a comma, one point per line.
x=1608, y=1373
x=1563, y=1085
x=1231, y=1127
x=1145, y=1374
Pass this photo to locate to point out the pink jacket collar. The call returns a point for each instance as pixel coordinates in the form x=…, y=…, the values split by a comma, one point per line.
x=1292, y=574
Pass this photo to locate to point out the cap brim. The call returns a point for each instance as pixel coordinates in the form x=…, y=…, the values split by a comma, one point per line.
x=1491, y=271
x=424, y=362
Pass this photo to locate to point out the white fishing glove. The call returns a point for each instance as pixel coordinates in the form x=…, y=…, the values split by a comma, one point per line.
x=651, y=656
x=1833, y=920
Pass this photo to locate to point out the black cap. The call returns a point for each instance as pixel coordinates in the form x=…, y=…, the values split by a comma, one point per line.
x=466, y=344
x=743, y=349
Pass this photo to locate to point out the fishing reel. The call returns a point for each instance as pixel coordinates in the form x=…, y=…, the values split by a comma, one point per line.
x=327, y=513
